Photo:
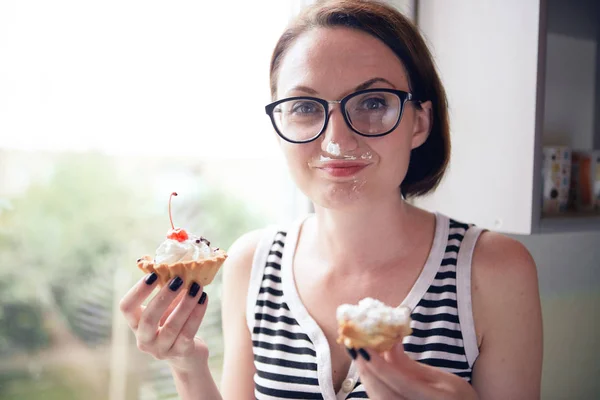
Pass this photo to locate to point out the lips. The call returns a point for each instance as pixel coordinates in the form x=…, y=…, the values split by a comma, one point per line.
x=341, y=168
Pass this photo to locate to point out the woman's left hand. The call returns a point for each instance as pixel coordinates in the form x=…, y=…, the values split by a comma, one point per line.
x=394, y=375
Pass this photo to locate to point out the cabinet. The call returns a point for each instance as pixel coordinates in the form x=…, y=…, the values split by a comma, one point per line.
x=519, y=75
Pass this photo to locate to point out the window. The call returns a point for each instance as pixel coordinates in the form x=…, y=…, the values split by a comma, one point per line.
x=105, y=109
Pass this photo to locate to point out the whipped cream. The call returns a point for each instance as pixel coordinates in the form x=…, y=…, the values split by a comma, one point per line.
x=333, y=149
x=193, y=249
x=369, y=313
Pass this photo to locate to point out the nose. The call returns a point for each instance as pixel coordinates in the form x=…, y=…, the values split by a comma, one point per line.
x=337, y=131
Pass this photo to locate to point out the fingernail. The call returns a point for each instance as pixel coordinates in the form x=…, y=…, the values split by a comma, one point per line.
x=202, y=298
x=352, y=352
x=194, y=289
x=364, y=354
x=175, y=283
x=151, y=278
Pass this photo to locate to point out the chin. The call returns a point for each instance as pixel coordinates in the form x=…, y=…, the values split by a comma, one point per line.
x=347, y=196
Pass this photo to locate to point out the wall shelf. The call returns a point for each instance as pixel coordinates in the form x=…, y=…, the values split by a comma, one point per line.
x=519, y=75
x=570, y=222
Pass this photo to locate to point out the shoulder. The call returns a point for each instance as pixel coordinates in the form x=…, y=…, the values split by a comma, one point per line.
x=241, y=254
x=237, y=268
x=237, y=271
x=508, y=319
x=500, y=257
x=504, y=280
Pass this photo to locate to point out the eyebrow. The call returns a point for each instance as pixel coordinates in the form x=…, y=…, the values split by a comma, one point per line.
x=370, y=82
x=362, y=86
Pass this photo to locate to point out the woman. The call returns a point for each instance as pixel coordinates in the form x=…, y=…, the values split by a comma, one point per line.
x=362, y=121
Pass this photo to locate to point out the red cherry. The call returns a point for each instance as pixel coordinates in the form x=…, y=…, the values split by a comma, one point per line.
x=175, y=233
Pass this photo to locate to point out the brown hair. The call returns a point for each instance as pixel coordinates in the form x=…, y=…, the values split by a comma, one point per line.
x=428, y=162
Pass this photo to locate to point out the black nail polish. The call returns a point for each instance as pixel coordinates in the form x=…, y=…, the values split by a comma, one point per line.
x=151, y=278
x=352, y=352
x=364, y=354
x=194, y=289
x=175, y=283
x=202, y=298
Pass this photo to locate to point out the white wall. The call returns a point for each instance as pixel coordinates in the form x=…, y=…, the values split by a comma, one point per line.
x=490, y=74
x=569, y=278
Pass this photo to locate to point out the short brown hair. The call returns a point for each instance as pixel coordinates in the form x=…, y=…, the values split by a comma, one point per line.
x=428, y=162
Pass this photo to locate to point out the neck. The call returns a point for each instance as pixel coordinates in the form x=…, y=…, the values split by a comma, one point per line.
x=369, y=238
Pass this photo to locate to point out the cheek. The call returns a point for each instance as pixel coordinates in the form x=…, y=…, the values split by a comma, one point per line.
x=394, y=155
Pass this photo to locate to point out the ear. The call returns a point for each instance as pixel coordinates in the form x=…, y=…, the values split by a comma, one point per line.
x=422, y=124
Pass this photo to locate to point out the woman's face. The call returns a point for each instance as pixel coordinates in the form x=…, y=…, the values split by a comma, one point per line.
x=342, y=169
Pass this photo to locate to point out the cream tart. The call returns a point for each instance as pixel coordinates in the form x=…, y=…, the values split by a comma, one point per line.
x=187, y=256
x=372, y=324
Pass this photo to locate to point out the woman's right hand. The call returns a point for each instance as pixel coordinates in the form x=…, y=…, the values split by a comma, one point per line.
x=166, y=328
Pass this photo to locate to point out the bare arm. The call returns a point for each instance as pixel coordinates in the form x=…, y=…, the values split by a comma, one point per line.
x=238, y=367
x=507, y=311
x=174, y=340
x=199, y=385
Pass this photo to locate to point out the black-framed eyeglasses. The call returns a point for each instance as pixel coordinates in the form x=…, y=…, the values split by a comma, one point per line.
x=369, y=112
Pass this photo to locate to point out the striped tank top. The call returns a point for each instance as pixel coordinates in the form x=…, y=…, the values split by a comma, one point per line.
x=291, y=353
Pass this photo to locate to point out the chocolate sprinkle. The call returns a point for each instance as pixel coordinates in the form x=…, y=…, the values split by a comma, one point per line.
x=203, y=239
x=139, y=259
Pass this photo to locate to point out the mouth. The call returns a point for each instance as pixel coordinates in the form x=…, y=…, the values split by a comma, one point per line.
x=341, y=169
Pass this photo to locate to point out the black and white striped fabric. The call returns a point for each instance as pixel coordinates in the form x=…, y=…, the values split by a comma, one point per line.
x=291, y=353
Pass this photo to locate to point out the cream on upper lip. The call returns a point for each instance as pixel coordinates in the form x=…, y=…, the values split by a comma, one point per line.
x=334, y=157
x=342, y=161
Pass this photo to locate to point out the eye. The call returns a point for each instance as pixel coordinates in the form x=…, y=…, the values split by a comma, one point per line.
x=373, y=103
x=305, y=107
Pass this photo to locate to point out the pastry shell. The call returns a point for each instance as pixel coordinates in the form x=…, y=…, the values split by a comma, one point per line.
x=202, y=271
x=381, y=339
